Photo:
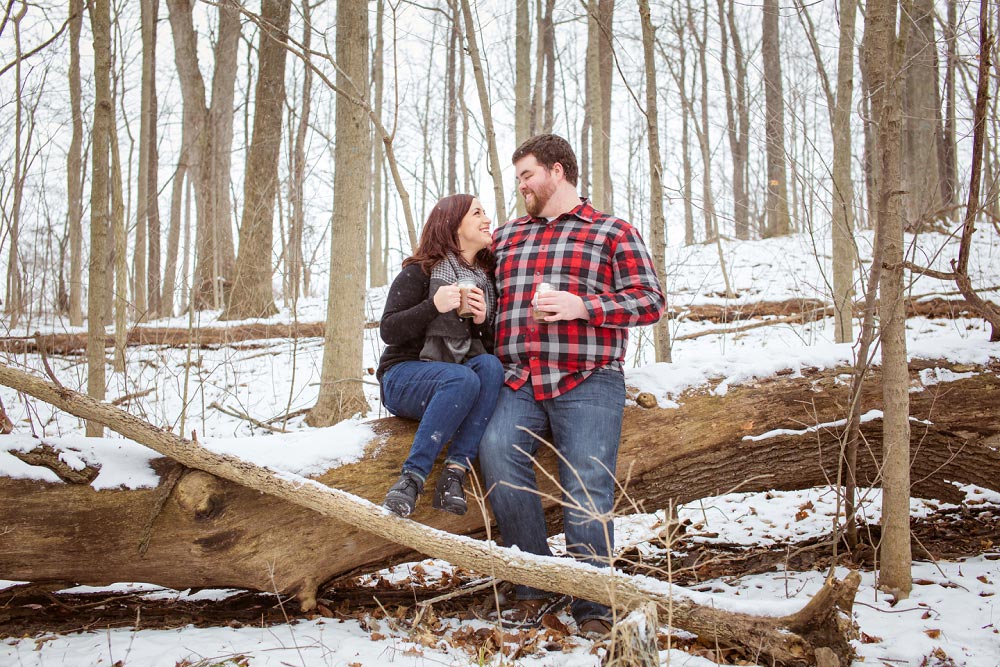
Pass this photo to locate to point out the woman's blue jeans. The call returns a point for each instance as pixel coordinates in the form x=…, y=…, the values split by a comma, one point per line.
x=584, y=426
x=452, y=402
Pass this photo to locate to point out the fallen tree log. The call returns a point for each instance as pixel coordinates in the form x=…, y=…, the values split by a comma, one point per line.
x=201, y=530
x=792, y=309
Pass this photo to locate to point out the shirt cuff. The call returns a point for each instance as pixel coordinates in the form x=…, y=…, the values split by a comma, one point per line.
x=595, y=310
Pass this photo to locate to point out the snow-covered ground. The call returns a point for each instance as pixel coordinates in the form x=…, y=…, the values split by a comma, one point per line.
x=952, y=614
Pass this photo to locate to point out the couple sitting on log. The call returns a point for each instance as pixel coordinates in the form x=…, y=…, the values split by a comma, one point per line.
x=497, y=341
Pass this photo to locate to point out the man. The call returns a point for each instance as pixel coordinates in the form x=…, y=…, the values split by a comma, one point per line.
x=563, y=371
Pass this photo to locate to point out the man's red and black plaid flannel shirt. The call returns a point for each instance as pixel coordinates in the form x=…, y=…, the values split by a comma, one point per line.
x=597, y=256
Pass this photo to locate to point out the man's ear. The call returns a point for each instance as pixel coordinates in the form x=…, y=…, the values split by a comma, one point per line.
x=558, y=170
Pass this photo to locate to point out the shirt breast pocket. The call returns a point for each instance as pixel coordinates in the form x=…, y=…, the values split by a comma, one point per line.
x=587, y=258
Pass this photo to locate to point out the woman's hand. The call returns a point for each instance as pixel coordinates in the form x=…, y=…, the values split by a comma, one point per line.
x=477, y=304
x=447, y=297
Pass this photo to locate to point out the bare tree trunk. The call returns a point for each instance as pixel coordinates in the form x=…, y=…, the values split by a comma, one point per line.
x=251, y=294
x=605, y=58
x=949, y=183
x=595, y=107
x=922, y=119
x=871, y=137
x=736, y=116
x=120, y=236
x=146, y=121
x=702, y=128
x=484, y=104
x=778, y=221
x=522, y=80
x=296, y=223
x=679, y=76
x=843, y=186
x=100, y=21
x=884, y=64
x=378, y=271
x=657, y=221
x=13, y=301
x=211, y=131
x=741, y=159
x=74, y=169
x=154, y=301
x=547, y=34
x=450, y=144
x=340, y=394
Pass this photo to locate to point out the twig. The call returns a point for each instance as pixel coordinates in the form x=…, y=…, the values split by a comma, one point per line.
x=245, y=417
x=136, y=394
x=43, y=351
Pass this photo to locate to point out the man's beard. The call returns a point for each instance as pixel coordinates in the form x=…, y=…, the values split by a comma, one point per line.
x=540, y=199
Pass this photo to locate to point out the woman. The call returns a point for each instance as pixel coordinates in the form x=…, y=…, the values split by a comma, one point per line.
x=437, y=367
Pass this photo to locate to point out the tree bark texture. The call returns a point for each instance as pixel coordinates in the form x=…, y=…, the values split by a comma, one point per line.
x=778, y=221
x=484, y=106
x=74, y=169
x=206, y=531
x=211, y=134
x=657, y=221
x=921, y=111
x=843, y=186
x=100, y=21
x=884, y=55
x=251, y=295
x=340, y=394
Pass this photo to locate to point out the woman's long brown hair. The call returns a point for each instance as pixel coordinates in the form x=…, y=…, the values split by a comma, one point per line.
x=440, y=235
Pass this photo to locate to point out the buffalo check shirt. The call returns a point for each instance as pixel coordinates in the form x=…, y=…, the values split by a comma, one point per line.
x=597, y=256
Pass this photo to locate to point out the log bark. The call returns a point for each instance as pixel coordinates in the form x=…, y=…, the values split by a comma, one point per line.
x=805, y=309
x=214, y=528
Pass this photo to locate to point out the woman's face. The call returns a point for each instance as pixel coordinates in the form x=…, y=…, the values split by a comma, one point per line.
x=474, y=230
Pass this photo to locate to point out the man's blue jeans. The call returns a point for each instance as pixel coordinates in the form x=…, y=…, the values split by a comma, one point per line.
x=451, y=401
x=584, y=425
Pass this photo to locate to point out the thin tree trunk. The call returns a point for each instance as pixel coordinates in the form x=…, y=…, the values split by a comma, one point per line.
x=741, y=161
x=378, y=271
x=605, y=58
x=949, y=184
x=657, y=221
x=843, y=186
x=595, y=107
x=702, y=128
x=340, y=394
x=296, y=223
x=522, y=80
x=778, y=221
x=484, y=104
x=922, y=119
x=885, y=59
x=154, y=300
x=680, y=79
x=120, y=235
x=100, y=20
x=13, y=302
x=74, y=169
x=547, y=34
x=251, y=294
x=450, y=112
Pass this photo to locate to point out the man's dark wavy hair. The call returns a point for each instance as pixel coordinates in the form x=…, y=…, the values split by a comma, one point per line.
x=549, y=149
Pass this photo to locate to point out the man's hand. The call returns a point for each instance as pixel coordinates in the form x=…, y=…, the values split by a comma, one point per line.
x=562, y=305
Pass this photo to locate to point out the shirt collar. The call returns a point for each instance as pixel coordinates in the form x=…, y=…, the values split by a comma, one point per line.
x=585, y=211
